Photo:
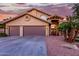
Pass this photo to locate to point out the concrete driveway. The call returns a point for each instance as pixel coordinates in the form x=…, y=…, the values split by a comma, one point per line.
x=23, y=46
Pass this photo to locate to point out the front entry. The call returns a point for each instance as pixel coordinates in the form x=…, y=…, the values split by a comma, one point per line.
x=54, y=27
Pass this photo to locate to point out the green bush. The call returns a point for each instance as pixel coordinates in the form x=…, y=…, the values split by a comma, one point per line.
x=77, y=39
x=77, y=36
x=2, y=25
x=3, y=34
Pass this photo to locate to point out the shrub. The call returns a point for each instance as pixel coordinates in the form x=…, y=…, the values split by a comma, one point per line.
x=2, y=25
x=3, y=34
x=77, y=39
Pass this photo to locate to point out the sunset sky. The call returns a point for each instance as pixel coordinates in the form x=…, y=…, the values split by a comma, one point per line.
x=12, y=9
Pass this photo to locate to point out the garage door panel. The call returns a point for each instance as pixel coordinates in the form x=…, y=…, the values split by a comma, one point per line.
x=34, y=30
x=14, y=30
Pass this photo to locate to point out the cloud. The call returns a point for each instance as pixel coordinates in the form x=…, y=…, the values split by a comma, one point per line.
x=26, y=4
x=6, y=4
x=17, y=6
x=38, y=4
x=13, y=8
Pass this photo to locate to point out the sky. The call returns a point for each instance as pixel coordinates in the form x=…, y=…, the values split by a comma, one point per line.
x=63, y=9
x=12, y=6
x=26, y=4
x=16, y=6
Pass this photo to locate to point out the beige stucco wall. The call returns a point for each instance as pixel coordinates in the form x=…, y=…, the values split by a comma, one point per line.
x=23, y=21
x=37, y=14
x=26, y=21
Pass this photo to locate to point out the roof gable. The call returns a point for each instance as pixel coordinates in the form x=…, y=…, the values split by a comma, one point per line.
x=39, y=11
x=27, y=20
x=22, y=16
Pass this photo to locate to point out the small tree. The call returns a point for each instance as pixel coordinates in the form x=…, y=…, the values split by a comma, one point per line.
x=69, y=29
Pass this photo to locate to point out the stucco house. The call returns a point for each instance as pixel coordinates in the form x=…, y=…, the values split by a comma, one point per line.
x=32, y=22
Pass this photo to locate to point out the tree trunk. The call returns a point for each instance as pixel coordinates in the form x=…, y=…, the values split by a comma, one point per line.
x=76, y=33
x=70, y=38
x=72, y=35
x=65, y=35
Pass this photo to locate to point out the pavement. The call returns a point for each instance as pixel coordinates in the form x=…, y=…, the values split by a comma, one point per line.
x=23, y=46
x=35, y=46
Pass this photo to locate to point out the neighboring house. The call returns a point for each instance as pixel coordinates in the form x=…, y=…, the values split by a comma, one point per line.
x=32, y=22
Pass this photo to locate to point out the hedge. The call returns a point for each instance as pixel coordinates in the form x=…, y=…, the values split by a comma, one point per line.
x=3, y=34
x=2, y=25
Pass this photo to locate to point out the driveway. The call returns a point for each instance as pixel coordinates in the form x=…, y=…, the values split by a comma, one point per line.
x=23, y=46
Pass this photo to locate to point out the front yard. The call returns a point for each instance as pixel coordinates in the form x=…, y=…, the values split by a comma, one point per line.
x=56, y=46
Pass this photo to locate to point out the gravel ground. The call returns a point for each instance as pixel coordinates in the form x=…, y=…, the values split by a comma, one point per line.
x=55, y=48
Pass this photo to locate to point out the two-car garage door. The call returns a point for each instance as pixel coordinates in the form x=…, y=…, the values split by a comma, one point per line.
x=34, y=30
x=27, y=30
